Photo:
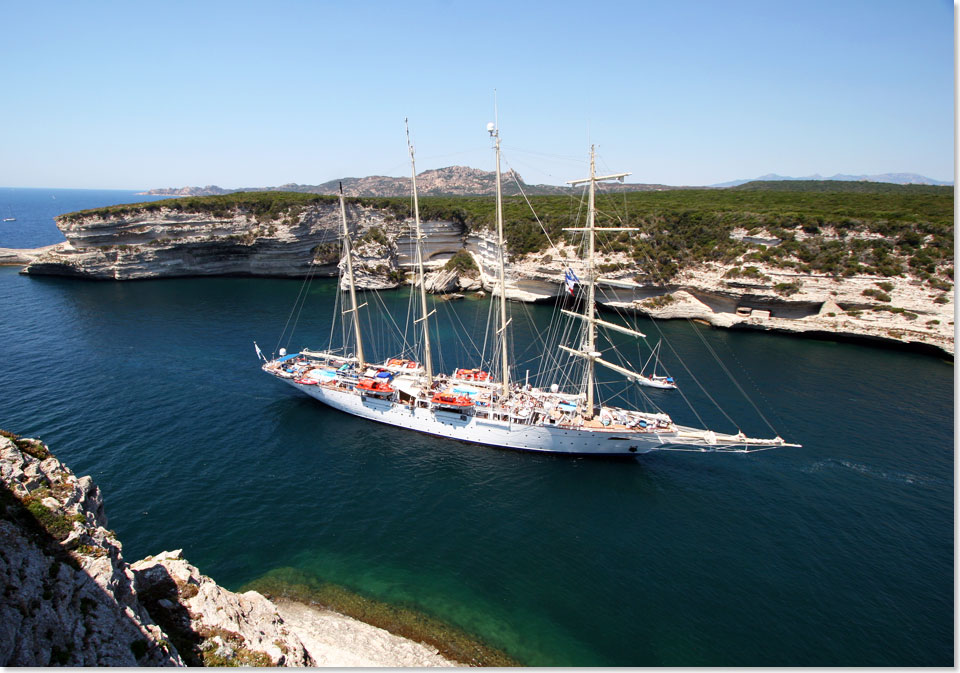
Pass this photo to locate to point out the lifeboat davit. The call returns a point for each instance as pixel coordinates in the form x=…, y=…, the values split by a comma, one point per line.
x=375, y=387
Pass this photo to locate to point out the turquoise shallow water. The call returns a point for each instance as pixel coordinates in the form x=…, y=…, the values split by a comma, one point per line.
x=839, y=553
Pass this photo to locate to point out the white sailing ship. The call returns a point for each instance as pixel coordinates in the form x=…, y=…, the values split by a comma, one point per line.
x=487, y=407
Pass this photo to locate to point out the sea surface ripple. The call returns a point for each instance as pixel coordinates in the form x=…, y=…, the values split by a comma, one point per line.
x=836, y=554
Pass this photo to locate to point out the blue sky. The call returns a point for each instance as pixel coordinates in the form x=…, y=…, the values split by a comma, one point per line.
x=143, y=94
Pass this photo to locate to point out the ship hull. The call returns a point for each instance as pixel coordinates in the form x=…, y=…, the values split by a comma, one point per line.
x=485, y=431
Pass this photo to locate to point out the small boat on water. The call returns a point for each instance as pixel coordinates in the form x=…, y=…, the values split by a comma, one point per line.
x=487, y=406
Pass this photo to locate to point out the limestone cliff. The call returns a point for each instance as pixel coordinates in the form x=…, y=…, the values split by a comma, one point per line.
x=157, y=240
x=71, y=599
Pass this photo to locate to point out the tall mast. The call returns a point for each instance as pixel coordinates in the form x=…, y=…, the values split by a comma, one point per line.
x=591, y=354
x=501, y=244
x=353, y=292
x=591, y=281
x=427, y=360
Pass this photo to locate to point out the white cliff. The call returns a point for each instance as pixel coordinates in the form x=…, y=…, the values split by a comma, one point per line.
x=160, y=241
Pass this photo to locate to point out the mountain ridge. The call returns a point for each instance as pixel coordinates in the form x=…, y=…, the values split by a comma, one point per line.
x=894, y=178
x=448, y=181
x=466, y=181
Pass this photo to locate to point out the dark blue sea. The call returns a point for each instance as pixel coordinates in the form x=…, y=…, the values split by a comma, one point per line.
x=839, y=553
x=33, y=211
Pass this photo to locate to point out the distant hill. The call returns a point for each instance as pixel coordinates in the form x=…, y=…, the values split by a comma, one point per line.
x=894, y=178
x=450, y=181
x=465, y=181
x=861, y=187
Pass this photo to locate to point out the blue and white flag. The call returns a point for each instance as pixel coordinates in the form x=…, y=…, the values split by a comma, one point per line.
x=571, y=279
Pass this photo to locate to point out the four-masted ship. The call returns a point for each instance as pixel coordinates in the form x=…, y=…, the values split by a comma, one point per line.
x=477, y=406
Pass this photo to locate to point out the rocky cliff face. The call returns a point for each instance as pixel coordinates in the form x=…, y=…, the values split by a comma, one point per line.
x=71, y=599
x=171, y=243
x=164, y=242
x=764, y=298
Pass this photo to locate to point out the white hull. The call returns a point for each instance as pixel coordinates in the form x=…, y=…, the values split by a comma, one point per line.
x=487, y=431
x=655, y=383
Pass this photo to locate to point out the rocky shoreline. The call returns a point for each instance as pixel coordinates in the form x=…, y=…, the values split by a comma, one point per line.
x=71, y=599
x=160, y=242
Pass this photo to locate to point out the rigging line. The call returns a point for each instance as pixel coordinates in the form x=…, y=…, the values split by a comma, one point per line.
x=563, y=190
x=687, y=369
x=450, y=312
x=487, y=328
x=728, y=372
x=334, y=321
x=309, y=280
x=293, y=308
x=578, y=160
x=700, y=385
x=746, y=372
x=387, y=311
x=737, y=384
x=474, y=150
x=538, y=339
x=529, y=205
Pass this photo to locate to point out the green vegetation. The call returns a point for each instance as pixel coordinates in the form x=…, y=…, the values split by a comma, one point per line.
x=374, y=235
x=31, y=447
x=659, y=302
x=787, y=289
x=844, y=228
x=462, y=262
x=451, y=642
x=57, y=525
x=678, y=228
x=326, y=253
x=879, y=295
x=91, y=550
x=242, y=656
x=747, y=272
x=265, y=206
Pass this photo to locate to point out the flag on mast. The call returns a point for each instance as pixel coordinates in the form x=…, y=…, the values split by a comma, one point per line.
x=571, y=279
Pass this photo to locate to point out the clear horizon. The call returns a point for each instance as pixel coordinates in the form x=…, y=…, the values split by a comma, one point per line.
x=243, y=94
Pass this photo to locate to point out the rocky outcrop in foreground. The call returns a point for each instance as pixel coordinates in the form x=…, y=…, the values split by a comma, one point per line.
x=71, y=599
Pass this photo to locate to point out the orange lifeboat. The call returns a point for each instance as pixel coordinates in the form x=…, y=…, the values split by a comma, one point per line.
x=451, y=400
x=375, y=387
x=402, y=363
x=471, y=375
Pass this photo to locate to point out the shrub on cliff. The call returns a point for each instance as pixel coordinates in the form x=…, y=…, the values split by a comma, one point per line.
x=462, y=262
x=677, y=228
x=879, y=295
x=787, y=289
